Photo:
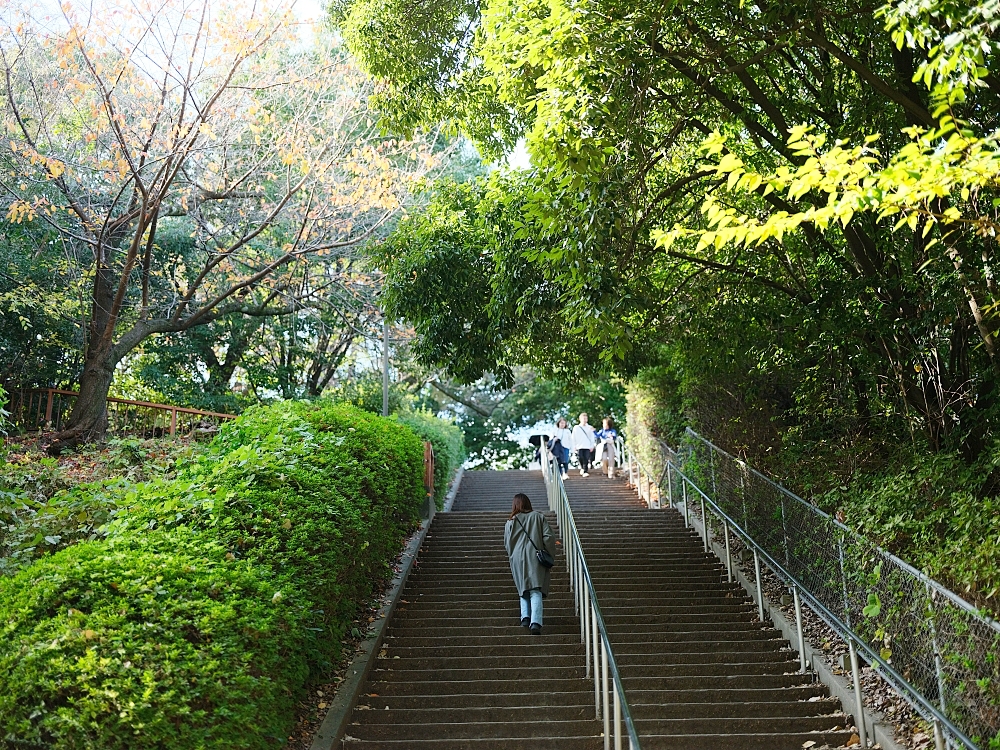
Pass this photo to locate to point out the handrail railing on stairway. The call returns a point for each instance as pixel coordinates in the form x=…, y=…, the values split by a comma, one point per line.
x=608, y=686
x=679, y=466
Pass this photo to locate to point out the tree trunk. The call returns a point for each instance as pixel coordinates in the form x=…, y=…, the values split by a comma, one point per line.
x=89, y=419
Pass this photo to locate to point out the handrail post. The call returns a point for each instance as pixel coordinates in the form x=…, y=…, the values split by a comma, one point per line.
x=585, y=622
x=597, y=666
x=859, y=720
x=604, y=684
x=798, y=627
x=570, y=550
x=684, y=489
x=580, y=588
x=760, y=588
x=618, y=719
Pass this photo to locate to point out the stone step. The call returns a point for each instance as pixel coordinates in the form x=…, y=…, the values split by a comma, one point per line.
x=474, y=715
x=447, y=730
x=473, y=687
x=495, y=743
x=458, y=672
x=763, y=741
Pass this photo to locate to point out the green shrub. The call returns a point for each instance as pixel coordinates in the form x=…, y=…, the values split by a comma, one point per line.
x=365, y=392
x=47, y=504
x=157, y=642
x=448, y=442
x=271, y=539
x=31, y=528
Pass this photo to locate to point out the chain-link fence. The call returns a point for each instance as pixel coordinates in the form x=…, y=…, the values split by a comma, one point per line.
x=937, y=650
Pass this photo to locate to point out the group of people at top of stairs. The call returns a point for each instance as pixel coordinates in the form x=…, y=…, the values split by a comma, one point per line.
x=525, y=536
x=592, y=446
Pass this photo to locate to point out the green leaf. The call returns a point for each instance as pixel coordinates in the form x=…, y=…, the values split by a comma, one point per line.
x=874, y=608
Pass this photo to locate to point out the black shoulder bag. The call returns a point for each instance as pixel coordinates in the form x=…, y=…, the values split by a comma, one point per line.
x=541, y=554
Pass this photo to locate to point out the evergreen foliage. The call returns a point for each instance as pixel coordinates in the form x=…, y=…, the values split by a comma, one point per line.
x=204, y=605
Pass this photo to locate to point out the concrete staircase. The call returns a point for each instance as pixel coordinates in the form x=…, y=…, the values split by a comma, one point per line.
x=457, y=670
x=700, y=671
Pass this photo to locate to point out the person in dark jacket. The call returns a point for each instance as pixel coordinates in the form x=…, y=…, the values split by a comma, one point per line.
x=525, y=531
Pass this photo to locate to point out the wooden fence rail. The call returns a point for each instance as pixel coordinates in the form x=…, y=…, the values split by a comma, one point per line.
x=48, y=408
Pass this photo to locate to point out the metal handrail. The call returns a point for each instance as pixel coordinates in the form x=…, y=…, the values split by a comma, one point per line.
x=923, y=577
x=854, y=641
x=593, y=631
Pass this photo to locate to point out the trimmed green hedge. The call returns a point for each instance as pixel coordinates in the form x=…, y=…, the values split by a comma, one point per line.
x=449, y=446
x=199, y=618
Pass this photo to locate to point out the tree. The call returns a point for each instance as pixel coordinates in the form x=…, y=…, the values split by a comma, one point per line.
x=615, y=99
x=206, y=122
x=461, y=272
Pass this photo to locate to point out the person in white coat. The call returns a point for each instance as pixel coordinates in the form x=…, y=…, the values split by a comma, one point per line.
x=561, y=443
x=584, y=441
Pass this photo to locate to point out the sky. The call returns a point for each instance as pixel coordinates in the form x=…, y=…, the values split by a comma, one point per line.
x=519, y=158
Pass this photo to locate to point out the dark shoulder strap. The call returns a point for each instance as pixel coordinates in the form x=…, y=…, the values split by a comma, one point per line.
x=525, y=531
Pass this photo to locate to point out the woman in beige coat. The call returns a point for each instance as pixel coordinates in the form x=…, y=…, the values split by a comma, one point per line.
x=525, y=531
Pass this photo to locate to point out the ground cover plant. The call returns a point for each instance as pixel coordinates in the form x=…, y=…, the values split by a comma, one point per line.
x=203, y=606
x=47, y=503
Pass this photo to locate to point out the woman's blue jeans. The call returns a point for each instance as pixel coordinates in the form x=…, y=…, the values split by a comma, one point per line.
x=531, y=606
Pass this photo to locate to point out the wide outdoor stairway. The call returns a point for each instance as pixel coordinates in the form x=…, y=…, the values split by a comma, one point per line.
x=700, y=671
x=457, y=670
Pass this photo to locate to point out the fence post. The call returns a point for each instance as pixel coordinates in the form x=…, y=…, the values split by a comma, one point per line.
x=729, y=557
x=798, y=627
x=938, y=668
x=743, y=498
x=173, y=422
x=843, y=582
x=760, y=588
x=856, y=673
x=704, y=522
x=48, y=408
x=711, y=465
x=670, y=487
x=784, y=533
